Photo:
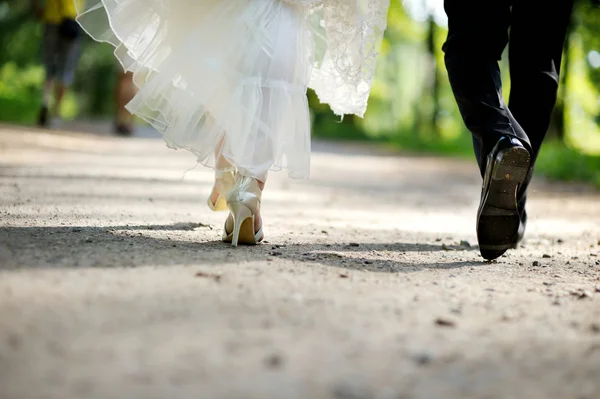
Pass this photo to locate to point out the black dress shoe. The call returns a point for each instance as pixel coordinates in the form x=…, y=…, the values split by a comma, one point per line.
x=498, y=218
x=122, y=129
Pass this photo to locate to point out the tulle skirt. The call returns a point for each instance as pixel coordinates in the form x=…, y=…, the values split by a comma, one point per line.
x=225, y=80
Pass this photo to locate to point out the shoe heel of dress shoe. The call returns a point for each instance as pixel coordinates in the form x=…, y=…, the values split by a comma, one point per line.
x=510, y=170
x=512, y=165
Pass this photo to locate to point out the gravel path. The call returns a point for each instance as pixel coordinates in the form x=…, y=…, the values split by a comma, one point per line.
x=113, y=282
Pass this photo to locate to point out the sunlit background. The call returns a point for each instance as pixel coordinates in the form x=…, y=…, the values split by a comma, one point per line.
x=411, y=107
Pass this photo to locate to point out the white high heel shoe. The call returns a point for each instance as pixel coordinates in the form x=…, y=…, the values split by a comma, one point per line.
x=244, y=203
x=224, y=182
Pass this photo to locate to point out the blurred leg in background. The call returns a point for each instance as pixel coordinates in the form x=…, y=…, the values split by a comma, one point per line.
x=60, y=56
x=125, y=90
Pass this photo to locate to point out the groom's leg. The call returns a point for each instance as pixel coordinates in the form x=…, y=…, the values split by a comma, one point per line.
x=535, y=50
x=477, y=36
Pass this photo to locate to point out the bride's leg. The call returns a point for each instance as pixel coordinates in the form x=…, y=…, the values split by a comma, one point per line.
x=276, y=69
x=224, y=173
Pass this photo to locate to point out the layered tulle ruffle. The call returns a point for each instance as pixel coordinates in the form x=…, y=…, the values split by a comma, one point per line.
x=227, y=80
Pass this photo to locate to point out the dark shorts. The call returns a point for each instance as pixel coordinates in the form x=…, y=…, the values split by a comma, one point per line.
x=60, y=55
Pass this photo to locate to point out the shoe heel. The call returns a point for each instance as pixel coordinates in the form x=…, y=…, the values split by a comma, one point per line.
x=512, y=165
x=510, y=170
x=243, y=224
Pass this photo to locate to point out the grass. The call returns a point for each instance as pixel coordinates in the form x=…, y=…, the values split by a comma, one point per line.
x=556, y=161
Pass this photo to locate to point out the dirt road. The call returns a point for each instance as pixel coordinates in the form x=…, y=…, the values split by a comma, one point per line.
x=113, y=282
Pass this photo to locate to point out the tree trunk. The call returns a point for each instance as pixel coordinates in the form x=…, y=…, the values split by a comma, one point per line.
x=435, y=81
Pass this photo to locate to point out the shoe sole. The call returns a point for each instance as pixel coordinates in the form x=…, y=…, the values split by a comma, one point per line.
x=499, y=219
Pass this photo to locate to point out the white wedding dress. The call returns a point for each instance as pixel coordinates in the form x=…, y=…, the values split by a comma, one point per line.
x=227, y=79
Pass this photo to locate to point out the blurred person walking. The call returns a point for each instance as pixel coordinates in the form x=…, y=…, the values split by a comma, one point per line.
x=61, y=43
x=125, y=90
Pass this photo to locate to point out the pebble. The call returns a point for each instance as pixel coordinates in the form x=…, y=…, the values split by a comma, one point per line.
x=423, y=358
x=443, y=322
x=274, y=361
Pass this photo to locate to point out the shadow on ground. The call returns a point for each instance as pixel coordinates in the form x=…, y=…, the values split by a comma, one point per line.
x=143, y=245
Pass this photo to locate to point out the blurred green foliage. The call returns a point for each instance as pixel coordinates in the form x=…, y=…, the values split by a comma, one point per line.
x=411, y=106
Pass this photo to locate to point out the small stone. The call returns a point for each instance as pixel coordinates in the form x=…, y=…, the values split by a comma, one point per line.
x=215, y=277
x=445, y=247
x=507, y=316
x=548, y=283
x=354, y=244
x=276, y=253
x=535, y=263
x=443, y=322
x=595, y=328
x=274, y=361
x=439, y=239
x=423, y=358
x=464, y=243
x=556, y=301
x=324, y=232
x=343, y=276
x=560, y=241
x=557, y=276
x=546, y=256
x=368, y=262
x=581, y=294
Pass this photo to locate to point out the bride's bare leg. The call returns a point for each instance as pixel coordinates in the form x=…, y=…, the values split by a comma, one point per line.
x=222, y=166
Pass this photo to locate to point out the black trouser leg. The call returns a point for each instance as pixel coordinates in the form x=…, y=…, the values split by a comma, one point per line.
x=536, y=44
x=477, y=36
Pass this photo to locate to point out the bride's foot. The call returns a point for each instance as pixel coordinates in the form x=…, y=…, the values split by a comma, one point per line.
x=244, y=224
x=224, y=182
